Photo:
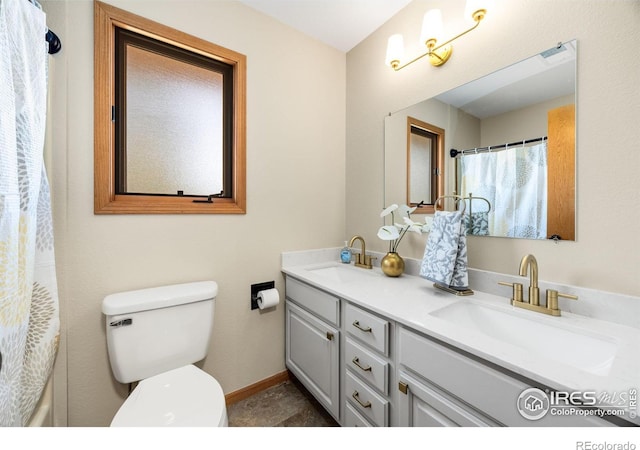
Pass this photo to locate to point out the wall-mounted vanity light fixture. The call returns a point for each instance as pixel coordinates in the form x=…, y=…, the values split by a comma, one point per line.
x=431, y=36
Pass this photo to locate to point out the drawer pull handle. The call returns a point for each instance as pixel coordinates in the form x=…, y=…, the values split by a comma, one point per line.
x=357, y=398
x=330, y=335
x=360, y=327
x=356, y=361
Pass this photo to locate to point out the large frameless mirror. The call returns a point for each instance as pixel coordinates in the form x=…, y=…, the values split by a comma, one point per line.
x=509, y=141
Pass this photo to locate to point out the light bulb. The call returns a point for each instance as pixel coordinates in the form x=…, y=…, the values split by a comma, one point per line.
x=395, y=50
x=431, y=26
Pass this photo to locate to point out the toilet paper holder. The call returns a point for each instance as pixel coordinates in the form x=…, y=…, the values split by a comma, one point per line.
x=255, y=288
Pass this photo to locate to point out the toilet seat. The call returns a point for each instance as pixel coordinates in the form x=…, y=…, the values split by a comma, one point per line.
x=183, y=397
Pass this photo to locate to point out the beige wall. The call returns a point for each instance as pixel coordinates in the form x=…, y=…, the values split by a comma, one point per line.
x=607, y=252
x=295, y=199
x=525, y=123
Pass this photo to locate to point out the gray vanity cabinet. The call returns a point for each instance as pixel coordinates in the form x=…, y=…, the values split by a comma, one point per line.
x=313, y=342
x=441, y=386
x=369, y=370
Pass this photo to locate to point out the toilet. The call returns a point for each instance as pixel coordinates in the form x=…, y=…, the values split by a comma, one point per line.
x=153, y=337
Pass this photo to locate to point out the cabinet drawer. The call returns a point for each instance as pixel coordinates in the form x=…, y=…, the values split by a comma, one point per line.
x=488, y=390
x=364, y=400
x=367, y=365
x=314, y=300
x=368, y=328
x=353, y=418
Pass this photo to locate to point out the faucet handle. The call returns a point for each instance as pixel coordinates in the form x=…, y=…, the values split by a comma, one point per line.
x=368, y=259
x=357, y=258
x=517, y=291
x=552, y=298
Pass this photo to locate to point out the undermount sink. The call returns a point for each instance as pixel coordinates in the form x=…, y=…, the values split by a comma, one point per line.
x=577, y=348
x=342, y=272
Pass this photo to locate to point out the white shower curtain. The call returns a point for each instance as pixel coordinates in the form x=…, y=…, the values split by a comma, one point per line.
x=29, y=320
x=515, y=183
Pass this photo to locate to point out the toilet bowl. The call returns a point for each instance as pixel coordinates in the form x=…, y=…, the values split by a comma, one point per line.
x=183, y=397
x=153, y=337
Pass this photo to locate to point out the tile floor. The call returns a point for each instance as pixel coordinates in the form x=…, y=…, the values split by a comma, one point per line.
x=285, y=405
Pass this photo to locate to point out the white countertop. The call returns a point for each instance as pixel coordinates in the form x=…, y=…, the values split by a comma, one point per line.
x=409, y=300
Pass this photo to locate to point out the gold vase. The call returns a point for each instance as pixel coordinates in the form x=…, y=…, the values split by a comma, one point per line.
x=392, y=264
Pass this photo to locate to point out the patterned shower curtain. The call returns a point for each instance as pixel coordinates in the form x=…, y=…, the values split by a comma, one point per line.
x=515, y=183
x=29, y=321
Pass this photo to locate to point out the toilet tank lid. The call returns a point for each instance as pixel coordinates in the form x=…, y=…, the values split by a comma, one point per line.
x=158, y=297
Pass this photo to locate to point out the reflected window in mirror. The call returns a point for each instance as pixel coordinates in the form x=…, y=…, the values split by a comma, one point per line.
x=169, y=120
x=425, y=165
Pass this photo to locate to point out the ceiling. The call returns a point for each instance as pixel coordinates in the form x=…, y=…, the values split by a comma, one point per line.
x=544, y=76
x=342, y=24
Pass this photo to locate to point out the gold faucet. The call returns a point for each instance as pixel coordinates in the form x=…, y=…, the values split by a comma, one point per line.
x=362, y=259
x=533, y=303
x=530, y=262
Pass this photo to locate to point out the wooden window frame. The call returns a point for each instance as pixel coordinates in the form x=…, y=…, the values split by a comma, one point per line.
x=106, y=198
x=437, y=184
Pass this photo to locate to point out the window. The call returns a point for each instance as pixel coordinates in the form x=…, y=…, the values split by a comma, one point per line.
x=425, y=165
x=169, y=120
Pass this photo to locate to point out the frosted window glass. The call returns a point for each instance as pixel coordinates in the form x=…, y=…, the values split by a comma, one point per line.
x=421, y=170
x=174, y=126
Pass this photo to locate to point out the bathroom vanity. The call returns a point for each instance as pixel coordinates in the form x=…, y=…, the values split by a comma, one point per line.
x=380, y=351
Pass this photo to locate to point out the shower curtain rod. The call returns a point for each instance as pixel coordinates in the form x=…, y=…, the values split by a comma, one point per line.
x=55, y=45
x=454, y=153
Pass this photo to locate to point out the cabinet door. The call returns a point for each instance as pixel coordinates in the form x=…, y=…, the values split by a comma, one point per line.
x=561, y=169
x=312, y=354
x=421, y=405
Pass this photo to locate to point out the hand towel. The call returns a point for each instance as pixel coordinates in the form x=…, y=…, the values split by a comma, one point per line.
x=445, y=255
x=477, y=223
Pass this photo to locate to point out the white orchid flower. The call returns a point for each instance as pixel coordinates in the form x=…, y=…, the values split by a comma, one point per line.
x=413, y=226
x=388, y=233
x=395, y=232
x=388, y=210
x=405, y=211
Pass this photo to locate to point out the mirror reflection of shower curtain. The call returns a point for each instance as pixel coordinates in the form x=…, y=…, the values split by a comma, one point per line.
x=515, y=182
x=29, y=318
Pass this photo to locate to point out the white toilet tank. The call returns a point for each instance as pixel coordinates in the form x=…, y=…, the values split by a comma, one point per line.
x=150, y=331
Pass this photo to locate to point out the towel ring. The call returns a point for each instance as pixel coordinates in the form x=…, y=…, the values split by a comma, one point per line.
x=457, y=199
x=472, y=198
